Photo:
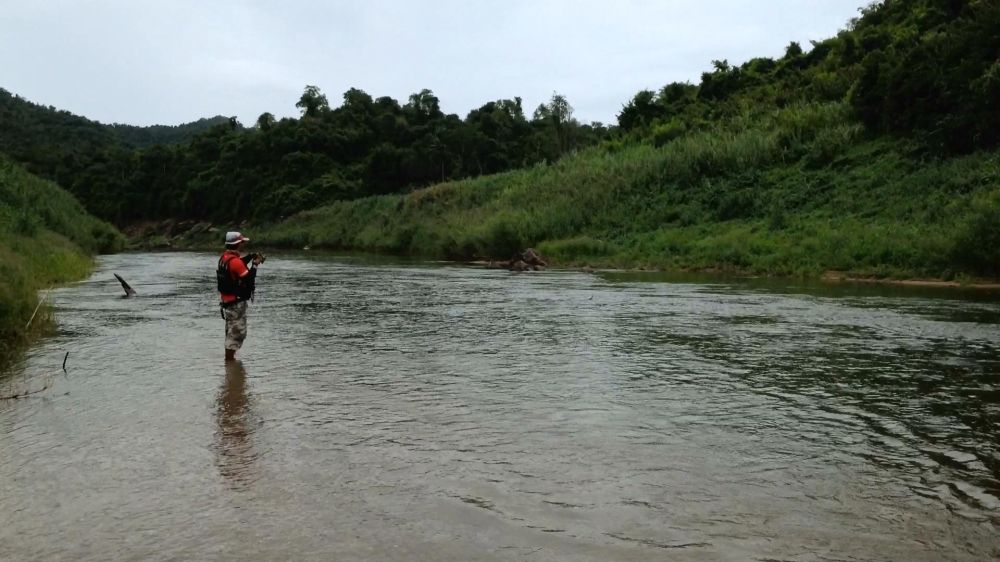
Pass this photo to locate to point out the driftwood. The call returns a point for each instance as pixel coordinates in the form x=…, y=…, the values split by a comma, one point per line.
x=129, y=291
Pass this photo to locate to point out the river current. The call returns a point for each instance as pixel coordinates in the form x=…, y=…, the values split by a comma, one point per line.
x=397, y=411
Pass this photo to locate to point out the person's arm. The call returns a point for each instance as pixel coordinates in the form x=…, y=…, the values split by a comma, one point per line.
x=238, y=268
x=245, y=276
x=256, y=259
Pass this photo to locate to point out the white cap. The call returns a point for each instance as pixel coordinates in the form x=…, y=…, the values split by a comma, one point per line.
x=235, y=238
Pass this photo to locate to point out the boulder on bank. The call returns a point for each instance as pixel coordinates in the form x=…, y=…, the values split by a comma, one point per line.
x=528, y=260
x=171, y=234
x=199, y=228
x=533, y=258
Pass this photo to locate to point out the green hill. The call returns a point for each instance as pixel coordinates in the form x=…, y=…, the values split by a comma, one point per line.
x=46, y=237
x=30, y=127
x=873, y=153
x=72, y=150
x=795, y=191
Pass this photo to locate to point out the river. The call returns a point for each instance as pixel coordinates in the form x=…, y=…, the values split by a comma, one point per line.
x=390, y=411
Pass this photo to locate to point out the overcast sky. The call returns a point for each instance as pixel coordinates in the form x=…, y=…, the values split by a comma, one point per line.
x=172, y=61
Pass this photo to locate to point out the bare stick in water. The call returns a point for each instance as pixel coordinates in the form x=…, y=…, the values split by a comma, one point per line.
x=64, y=361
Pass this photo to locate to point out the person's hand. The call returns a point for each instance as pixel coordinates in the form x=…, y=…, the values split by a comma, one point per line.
x=259, y=259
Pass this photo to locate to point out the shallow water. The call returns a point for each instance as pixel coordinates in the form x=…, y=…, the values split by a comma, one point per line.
x=424, y=411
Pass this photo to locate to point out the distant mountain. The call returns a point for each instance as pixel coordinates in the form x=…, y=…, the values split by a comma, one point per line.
x=66, y=148
x=51, y=142
x=145, y=137
x=47, y=140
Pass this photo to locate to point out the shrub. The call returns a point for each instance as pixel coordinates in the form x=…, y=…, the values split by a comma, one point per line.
x=577, y=249
x=666, y=132
x=976, y=242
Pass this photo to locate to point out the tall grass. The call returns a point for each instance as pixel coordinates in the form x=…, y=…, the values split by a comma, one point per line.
x=46, y=237
x=794, y=191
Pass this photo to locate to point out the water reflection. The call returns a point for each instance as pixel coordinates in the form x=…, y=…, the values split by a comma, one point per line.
x=234, y=447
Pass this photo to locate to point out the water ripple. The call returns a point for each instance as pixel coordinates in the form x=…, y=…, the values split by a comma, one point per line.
x=425, y=411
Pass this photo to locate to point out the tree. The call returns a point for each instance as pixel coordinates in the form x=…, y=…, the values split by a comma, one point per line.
x=793, y=50
x=424, y=106
x=313, y=102
x=559, y=113
x=639, y=112
x=265, y=121
x=720, y=84
x=560, y=109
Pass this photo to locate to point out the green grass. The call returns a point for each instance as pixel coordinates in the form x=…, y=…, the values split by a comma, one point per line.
x=46, y=238
x=796, y=191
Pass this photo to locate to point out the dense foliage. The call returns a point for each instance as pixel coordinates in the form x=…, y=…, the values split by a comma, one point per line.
x=52, y=143
x=922, y=69
x=363, y=147
x=930, y=68
x=58, y=145
x=46, y=237
x=145, y=137
x=794, y=191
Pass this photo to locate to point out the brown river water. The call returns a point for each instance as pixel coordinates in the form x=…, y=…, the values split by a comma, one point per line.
x=415, y=411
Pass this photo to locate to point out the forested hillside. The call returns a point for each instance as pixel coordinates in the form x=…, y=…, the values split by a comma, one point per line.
x=925, y=70
x=365, y=146
x=872, y=152
x=58, y=144
x=49, y=142
x=144, y=137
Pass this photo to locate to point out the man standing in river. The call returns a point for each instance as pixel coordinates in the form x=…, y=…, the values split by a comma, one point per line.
x=236, y=276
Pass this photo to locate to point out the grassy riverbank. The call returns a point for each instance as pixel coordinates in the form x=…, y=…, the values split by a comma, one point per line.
x=46, y=238
x=800, y=191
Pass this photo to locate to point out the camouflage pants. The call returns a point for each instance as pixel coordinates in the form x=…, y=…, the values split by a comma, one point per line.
x=236, y=325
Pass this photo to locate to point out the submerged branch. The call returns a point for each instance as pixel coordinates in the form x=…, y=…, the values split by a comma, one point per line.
x=27, y=393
